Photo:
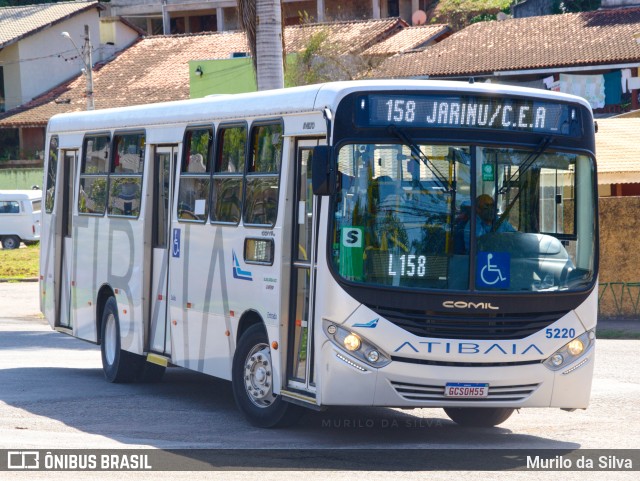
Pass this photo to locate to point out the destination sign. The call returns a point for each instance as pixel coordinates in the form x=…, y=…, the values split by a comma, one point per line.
x=459, y=111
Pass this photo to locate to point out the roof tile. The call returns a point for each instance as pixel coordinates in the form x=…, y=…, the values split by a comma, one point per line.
x=408, y=39
x=618, y=157
x=156, y=69
x=588, y=38
x=18, y=22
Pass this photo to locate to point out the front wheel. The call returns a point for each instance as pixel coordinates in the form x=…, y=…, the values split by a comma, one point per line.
x=479, y=417
x=10, y=242
x=118, y=365
x=252, y=383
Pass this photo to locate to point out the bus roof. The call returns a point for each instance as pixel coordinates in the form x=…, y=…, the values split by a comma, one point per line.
x=271, y=103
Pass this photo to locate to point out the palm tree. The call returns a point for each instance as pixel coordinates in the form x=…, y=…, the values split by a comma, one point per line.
x=262, y=22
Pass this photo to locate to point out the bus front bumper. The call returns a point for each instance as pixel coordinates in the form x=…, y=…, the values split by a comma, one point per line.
x=348, y=381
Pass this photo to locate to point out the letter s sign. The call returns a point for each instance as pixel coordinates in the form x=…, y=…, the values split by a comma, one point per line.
x=352, y=236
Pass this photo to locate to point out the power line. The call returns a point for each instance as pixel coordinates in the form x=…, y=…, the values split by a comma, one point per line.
x=59, y=55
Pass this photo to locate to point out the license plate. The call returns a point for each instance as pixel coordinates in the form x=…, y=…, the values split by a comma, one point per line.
x=466, y=390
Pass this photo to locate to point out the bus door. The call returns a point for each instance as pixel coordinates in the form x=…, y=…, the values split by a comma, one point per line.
x=165, y=158
x=300, y=372
x=69, y=163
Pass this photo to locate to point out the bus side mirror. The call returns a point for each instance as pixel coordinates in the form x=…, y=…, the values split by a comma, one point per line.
x=322, y=175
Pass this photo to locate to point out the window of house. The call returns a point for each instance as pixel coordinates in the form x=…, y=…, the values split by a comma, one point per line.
x=193, y=193
x=125, y=183
x=226, y=201
x=94, y=174
x=263, y=174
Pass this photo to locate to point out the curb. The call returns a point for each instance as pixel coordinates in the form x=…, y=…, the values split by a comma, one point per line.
x=21, y=279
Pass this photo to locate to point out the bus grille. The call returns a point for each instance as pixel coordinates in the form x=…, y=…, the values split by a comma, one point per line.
x=424, y=392
x=475, y=326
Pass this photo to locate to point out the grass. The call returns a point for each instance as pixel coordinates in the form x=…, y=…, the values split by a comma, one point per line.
x=23, y=263
x=617, y=334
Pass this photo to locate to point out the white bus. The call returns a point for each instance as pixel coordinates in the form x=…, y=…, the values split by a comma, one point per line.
x=373, y=243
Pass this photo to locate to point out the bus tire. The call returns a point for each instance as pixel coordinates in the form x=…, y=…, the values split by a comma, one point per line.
x=119, y=366
x=10, y=242
x=479, y=417
x=252, y=383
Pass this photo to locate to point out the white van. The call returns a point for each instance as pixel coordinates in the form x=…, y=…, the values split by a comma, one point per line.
x=19, y=217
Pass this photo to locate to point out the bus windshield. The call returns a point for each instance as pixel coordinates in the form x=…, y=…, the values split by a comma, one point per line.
x=405, y=218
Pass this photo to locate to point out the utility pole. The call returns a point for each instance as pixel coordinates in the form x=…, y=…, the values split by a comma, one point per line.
x=88, y=63
x=88, y=66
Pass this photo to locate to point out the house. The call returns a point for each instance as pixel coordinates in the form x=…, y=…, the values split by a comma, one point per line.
x=588, y=53
x=157, y=68
x=158, y=17
x=618, y=156
x=35, y=57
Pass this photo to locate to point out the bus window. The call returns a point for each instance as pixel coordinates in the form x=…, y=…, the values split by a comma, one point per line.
x=533, y=195
x=404, y=219
x=92, y=198
x=125, y=186
x=193, y=193
x=261, y=197
x=52, y=172
x=226, y=202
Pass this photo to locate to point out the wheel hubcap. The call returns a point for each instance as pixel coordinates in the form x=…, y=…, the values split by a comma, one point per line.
x=110, y=340
x=258, y=376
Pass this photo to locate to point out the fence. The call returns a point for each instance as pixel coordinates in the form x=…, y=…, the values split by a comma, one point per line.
x=20, y=178
x=622, y=298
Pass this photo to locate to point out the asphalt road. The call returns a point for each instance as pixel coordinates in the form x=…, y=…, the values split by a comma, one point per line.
x=53, y=396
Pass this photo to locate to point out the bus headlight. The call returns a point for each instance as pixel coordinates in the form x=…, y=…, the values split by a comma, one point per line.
x=352, y=342
x=356, y=345
x=575, y=347
x=570, y=351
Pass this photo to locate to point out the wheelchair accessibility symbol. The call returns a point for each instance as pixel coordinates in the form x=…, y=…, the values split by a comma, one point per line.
x=493, y=269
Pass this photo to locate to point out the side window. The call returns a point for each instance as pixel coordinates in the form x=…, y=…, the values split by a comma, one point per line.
x=263, y=175
x=94, y=173
x=9, y=207
x=52, y=169
x=226, y=201
x=125, y=184
x=193, y=193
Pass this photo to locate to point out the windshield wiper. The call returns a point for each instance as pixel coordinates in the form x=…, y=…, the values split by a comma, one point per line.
x=420, y=156
x=524, y=167
x=527, y=164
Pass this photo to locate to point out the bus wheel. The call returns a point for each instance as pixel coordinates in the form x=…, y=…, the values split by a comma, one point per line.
x=252, y=383
x=479, y=417
x=10, y=242
x=118, y=365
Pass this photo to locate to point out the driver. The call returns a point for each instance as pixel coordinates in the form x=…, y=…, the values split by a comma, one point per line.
x=485, y=219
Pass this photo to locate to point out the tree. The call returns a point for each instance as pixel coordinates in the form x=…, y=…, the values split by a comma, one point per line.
x=574, y=6
x=324, y=61
x=262, y=23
